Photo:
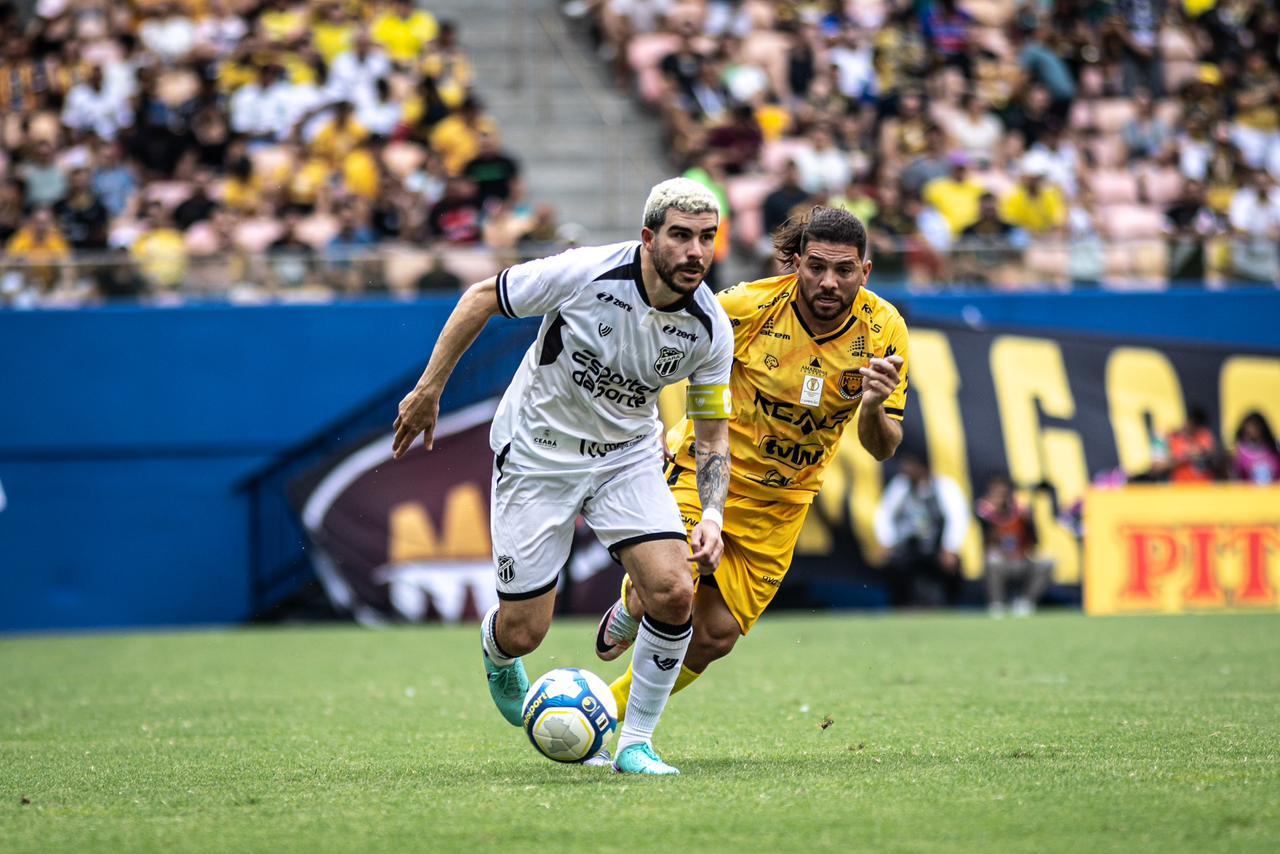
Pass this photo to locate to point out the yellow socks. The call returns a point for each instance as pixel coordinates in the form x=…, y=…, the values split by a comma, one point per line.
x=621, y=687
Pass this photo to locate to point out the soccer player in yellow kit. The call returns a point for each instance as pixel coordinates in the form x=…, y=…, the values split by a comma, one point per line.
x=814, y=352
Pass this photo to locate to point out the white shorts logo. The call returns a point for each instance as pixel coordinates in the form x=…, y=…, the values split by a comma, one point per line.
x=506, y=568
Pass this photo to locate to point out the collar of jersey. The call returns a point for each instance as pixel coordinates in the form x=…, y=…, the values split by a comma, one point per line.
x=638, y=275
x=861, y=305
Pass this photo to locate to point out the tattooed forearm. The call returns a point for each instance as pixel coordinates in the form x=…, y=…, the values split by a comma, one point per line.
x=713, y=477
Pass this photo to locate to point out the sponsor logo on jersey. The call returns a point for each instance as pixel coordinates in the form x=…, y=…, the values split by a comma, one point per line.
x=668, y=361
x=889, y=351
x=544, y=438
x=770, y=361
x=597, y=450
x=767, y=331
x=875, y=327
x=802, y=417
x=610, y=299
x=774, y=478
x=605, y=330
x=601, y=381
x=771, y=303
x=813, y=369
x=859, y=346
x=771, y=580
x=850, y=385
x=506, y=568
x=796, y=455
x=672, y=329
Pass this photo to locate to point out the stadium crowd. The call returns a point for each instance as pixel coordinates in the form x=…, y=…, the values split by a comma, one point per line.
x=263, y=144
x=1005, y=142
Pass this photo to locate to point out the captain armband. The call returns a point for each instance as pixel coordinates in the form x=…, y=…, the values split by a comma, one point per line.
x=708, y=402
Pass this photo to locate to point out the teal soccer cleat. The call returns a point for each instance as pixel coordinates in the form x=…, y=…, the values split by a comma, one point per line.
x=639, y=758
x=507, y=686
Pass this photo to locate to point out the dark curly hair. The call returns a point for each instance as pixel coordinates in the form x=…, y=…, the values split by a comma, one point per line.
x=831, y=225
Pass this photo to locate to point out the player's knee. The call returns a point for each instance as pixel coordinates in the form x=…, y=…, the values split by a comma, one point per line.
x=521, y=637
x=671, y=601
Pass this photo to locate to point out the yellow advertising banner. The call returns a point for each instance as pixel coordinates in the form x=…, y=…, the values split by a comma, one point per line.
x=1176, y=549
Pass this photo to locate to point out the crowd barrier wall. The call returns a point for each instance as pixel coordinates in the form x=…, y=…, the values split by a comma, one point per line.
x=127, y=433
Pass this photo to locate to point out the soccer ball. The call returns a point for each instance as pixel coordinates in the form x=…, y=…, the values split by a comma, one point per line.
x=568, y=713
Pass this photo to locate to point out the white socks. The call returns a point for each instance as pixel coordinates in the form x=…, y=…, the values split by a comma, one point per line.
x=489, y=639
x=658, y=653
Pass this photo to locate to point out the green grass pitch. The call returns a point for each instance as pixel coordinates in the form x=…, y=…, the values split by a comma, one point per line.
x=948, y=733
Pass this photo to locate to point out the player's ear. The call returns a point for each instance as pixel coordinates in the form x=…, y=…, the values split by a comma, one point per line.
x=647, y=235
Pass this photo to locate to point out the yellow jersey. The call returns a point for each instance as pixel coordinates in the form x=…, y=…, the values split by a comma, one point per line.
x=794, y=392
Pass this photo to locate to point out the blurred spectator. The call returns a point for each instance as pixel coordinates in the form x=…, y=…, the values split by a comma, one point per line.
x=168, y=33
x=160, y=251
x=956, y=195
x=975, y=131
x=1009, y=541
x=1086, y=255
x=1257, y=457
x=403, y=31
x=456, y=217
x=781, y=204
x=457, y=138
x=929, y=163
x=1045, y=67
x=379, y=113
x=921, y=522
x=1189, y=454
x=355, y=73
x=43, y=178
x=39, y=248
x=736, y=142
x=1256, y=129
x=91, y=106
x=822, y=167
x=438, y=278
x=12, y=205
x=198, y=206
x=291, y=259
x=113, y=180
x=987, y=247
x=1146, y=134
x=81, y=215
x=491, y=170
x=1254, y=217
x=1190, y=223
x=1034, y=205
x=1135, y=24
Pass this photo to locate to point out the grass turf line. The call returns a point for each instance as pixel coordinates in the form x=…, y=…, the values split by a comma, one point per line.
x=949, y=733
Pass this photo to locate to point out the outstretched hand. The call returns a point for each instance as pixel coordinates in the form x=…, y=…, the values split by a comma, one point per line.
x=419, y=412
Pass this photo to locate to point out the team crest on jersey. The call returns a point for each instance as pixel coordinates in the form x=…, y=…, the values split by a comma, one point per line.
x=604, y=330
x=506, y=568
x=850, y=385
x=770, y=361
x=668, y=361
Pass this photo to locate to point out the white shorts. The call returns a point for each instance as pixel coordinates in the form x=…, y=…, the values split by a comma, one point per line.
x=533, y=514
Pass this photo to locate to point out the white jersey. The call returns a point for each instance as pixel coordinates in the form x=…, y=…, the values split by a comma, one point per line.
x=586, y=393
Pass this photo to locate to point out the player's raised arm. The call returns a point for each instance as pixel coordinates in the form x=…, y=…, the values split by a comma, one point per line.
x=884, y=389
x=420, y=408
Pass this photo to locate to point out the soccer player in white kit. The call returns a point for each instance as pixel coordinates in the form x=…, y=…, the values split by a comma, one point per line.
x=577, y=432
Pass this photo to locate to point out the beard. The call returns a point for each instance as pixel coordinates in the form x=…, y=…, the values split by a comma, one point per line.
x=667, y=272
x=824, y=310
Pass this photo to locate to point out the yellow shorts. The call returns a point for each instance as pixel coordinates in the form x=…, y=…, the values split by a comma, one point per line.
x=759, y=541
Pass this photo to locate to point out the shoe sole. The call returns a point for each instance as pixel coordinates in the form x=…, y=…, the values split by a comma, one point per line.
x=606, y=651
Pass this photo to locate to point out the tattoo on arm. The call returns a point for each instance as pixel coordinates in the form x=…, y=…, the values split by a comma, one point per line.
x=713, y=477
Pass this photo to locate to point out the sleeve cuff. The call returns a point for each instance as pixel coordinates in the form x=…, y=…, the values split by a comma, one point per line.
x=504, y=299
